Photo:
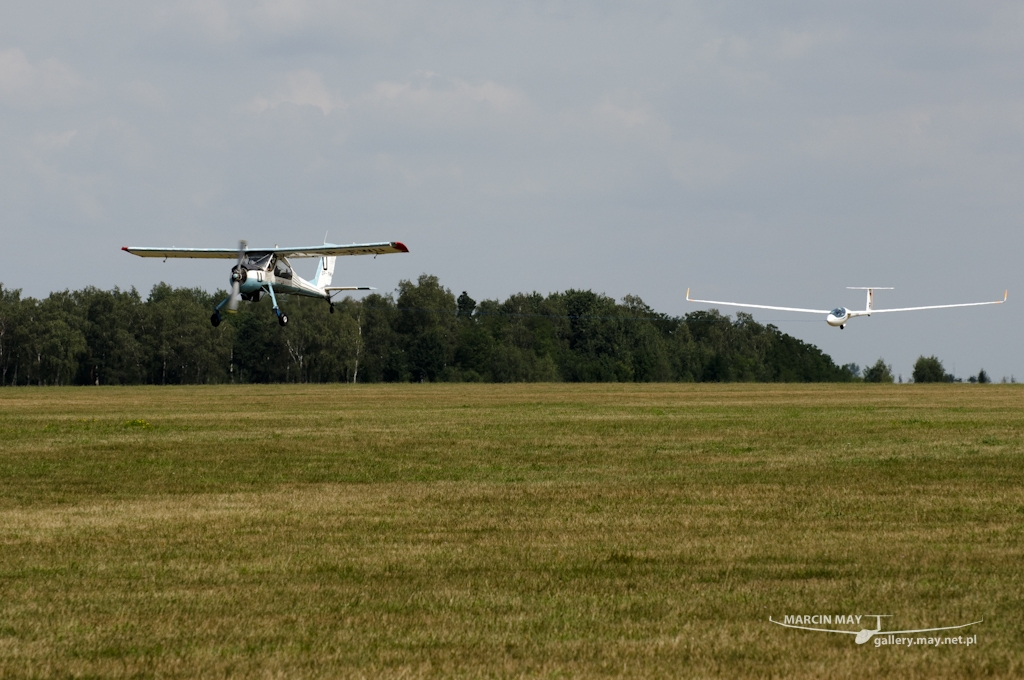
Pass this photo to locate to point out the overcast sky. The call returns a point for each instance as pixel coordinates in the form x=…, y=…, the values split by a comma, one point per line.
x=768, y=152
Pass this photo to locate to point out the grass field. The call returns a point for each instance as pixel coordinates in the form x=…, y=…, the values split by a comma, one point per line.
x=524, y=530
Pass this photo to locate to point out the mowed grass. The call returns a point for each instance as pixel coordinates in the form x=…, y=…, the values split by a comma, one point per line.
x=523, y=530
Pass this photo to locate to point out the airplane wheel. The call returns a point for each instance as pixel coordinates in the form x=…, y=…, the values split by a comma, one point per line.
x=332, y=309
x=215, y=319
x=283, y=319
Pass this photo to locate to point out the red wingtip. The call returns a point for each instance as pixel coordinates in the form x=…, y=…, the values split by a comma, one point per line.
x=124, y=248
x=398, y=245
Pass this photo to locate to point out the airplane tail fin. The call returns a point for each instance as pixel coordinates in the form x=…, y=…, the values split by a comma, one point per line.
x=325, y=272
x=870, y=304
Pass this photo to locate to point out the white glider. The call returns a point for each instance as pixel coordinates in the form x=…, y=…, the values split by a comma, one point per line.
x=840, y=315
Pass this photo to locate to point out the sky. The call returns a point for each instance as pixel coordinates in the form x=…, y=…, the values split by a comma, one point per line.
x=772, y=152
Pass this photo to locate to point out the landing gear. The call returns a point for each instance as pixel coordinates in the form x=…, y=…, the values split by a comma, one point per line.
x=332, y=308
x=842, y=326
x=281, y=317
x=215, y=319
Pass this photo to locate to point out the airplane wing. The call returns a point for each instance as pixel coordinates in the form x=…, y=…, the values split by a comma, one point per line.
x=743, y=304
x=311, y=251
x=965, y=304
x=928, y=630
x=222, y=253
x=331, y=250
x=333, y=288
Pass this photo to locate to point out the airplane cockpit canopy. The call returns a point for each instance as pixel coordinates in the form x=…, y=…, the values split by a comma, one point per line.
x=282, y=269
x=259, y=260
x=838, y=312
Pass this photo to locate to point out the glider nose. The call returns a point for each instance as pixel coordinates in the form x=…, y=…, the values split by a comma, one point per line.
x=864, y=636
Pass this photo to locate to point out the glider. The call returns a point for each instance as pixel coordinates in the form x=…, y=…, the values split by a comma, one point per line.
x=261, y=270
x=867, y=633
x=840, y=316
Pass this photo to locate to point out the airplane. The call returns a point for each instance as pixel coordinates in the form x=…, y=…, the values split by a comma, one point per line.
x=268, y=270
x=867, y=633
x=840, y=316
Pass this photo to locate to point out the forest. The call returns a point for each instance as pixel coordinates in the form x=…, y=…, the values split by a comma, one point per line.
x=420, y=333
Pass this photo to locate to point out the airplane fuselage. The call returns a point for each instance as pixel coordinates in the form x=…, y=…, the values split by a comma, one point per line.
x=259, y=271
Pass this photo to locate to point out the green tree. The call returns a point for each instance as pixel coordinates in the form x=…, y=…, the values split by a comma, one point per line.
x=645, y=343
x=597, y=347
x=930, y=370
x=259, y=353
x=111, y=323
x=60, y=343
x=525, y=335
x=426, y=320
x=878, y=373
x=381, y=358
x=181, y=345
x=93, y=336
x=466, y=306
x=10, y=317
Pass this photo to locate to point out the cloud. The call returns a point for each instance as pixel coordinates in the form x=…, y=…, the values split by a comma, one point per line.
x=703, y=163
x=55, y=141
x=30, y=86
x=210, y=19
x=445, y=101
x=79, y=191
x=626, y=116
x=301, y=88
x=799, y=44
x=230, y=23
x=147, y=94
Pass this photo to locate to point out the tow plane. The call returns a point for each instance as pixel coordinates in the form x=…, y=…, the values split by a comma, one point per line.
x=268, y=270
x=840, y=316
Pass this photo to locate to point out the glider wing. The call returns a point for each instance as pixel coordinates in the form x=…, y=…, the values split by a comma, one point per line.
x=964, y=304
x=744, y=304
x=929, y=630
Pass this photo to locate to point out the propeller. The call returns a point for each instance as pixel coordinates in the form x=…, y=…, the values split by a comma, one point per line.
x=238, y=277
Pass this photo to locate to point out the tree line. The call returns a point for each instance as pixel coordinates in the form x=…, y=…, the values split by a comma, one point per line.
x=420, y=333
x=926, y=370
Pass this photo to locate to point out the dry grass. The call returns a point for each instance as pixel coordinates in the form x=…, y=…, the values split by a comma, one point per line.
x=537, y=530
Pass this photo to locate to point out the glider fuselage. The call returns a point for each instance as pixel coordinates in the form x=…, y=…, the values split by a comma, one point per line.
x=839, y=316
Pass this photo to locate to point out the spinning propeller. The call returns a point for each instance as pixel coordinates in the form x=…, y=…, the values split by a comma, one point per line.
x=238, y=277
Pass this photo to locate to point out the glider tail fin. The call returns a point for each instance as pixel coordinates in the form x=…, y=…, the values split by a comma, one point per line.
x=869, y=305
x=325, y=272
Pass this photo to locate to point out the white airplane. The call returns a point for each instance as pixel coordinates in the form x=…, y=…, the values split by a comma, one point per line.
x=268, y=270
x=840, y=316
